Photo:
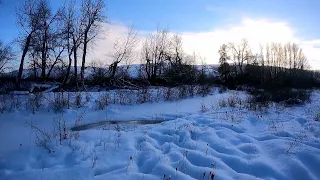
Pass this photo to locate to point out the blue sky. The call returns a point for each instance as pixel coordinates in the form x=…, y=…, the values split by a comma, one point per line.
x=204, y=24
x=192, y=15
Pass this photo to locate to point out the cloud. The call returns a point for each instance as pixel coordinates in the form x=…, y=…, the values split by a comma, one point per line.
x=257, y=32
x=207, y=43
x=102, y=46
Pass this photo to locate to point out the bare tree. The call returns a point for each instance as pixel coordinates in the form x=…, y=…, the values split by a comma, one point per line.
x=34, y=64
x=261, y=62
x=240, y=54
x=122, y=51
x=302, y=61
x=154, y=53
x=36, y=21
x=28, y=20
x=92, y=17
x=299, y=60
x=275, y=64
x=224, y=67
x=72, y=37
x=280, y=57
x=56, y=56
x=178, y=64
x=43, y=33
x=6, y=55
x=48, y=34
x=175, y=54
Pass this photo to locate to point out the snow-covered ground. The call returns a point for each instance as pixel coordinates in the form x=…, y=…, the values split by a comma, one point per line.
x=198, y=138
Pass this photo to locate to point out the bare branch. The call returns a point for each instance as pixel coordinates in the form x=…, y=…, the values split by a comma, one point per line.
x=6, y=55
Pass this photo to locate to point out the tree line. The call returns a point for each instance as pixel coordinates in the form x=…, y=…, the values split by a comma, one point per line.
x=60, y=39
x=49, y=36
x=273, y=64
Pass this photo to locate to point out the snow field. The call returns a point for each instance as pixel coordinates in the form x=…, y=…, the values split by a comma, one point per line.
x=231, y=143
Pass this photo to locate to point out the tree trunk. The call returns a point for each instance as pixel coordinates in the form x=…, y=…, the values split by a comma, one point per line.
x=147, y=71
x=24, y=53
x=54, y=63
x=113, y=69
x=75, y=48
x=68, y=70
x=85, y=42
x=154, y=74
x=43, y=56
x=34, y=68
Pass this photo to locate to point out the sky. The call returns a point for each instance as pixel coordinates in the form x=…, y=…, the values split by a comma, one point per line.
x=203, y=24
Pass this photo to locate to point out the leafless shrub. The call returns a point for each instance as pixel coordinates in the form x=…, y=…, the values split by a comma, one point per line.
x=235, y=117
x=252, y=105
x=191, y=90
x=68, y=100
x=121, y=96
x=133, y=97
x=2, y=103
x=60, y=128
x=14, y=101
x=87, y=97
x=223, y=103
x=117, y=128
x=77, y=122
x=94, y=158
x=60, y=101
x=114, y=99
x=203, y=108
x=233, y=101
x=144, y=95
x=34, y=101
x=214, y=106
x=158, y=96
x=102, y=101
x=83, y=149
x=168, y=94
x=125, y=97
x=204, y=90
x=222, y=89
x=78, y=100
x=191, y=128
x=43, y=138
x=182, y=92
